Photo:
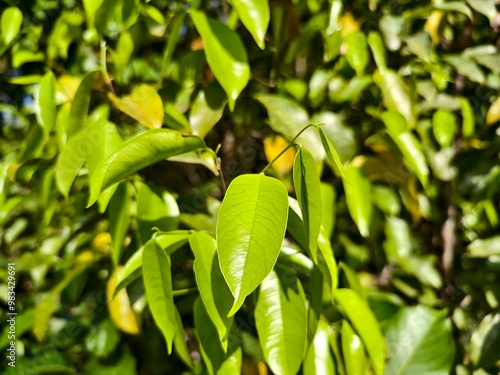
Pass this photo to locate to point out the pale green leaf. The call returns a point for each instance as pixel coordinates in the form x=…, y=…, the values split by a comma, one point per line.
x=250, y=229
x=158, y=284
x=444, y=127
x=205, y=112
x=119, y=219
x=357, y=51
x=214, y=291
x=386, y=199
x=394, y=92
x=11, y=21
x=366, y=326
x=485, y=341
x=307, y=187
x=353, y=349
x=378, y=50
x=225, y=54
x=486, y=7
x=485, y=247
x=47, y=102
x=139, y=152
x=319, y=359
x=468, y=118
x=331, y=153
x=255, y=15
x=80, y=106
x=281, y=320
x=419, y=342
x=358, y=198
x=328, y=198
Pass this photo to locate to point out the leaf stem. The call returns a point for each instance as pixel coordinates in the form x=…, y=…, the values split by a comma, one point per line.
x=291, y=144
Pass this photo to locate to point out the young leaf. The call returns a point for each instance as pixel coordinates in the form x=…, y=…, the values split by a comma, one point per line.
x=366, y=326
x=80, y=106
x=319, y=359
x=11, y=21
x=281, y=320
x=214, y=291
x=352, y=347
x=119, y=219
x=225, y=54
x=250, y=229
x=158, y=284
x=216, y=359
x=255, y=15
x=468, y=118
x=331, y=153
x=47, y=102
x=307, y=188
x=143, y=104
x=139, y=152
x=444, y=127
x=357, y=51
x=358, y=198
x=420, y=342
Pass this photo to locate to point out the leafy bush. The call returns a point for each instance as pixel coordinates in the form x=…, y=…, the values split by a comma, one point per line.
x=250, y=187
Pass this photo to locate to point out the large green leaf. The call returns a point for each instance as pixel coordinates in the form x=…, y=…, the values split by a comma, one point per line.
x=319, y=359
x=281, y=320
x=366, y=326
x=419, y=341
x=139, y=152
x=485, y=341
x=225, y=54
x=250, y=229
x=353, y=349
x=289, y=118
x=255, y=15
x=158, y=284
x=214, y=291
x=307, y=188
x=218, y=361
x=11, y=21
x=358, y=198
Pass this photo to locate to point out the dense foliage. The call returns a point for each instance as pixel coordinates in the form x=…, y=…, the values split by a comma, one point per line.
x=156, y=226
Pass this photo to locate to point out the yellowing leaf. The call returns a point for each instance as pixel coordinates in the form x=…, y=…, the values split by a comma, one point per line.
x=67, y=87
x=272, y=147
x=102, y=241
x=432, y=25
x=119, y=307
x=493, y=114
x=348, y=23
x=143, y=104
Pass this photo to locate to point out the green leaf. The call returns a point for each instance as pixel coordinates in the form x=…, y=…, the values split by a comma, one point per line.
x=206, y=111
x=328, y=209
x=140, y=152
x=281, y=320
x=327, y=258
x=483, y=248
x=319, y=359
x=104, y=139
x=289, y=118
x=255, y=15
x=216, y=359
x=331, y=153
x=466, y=67
x=80, y=106
x=444, y=127
x=119, y=219
x=394, y=92
x=46, y=100
x=143, y=105
x=308, y=190
x=419, y=341
x=156, y=208
x=11, y=21
x=102, y=339
x=366, y=326
x=378, y=50
x=91, y=6
x=408, y=144
x=358, y=198
x=352, y=347
x=485, y=341
x=180, y=344
x=352, y=279
x=158, y=284
x=455, y=6
x=250, y=229
x=214, y=291
x=468, y=118
x=225, y=54
x=386, y=199
x=485, y=7
x=357, y=51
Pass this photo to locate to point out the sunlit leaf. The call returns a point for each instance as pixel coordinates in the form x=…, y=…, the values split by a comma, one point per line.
x=255, y=15
x=444, y=127
x=353, y=349
x=11, y=21
x=272, y=147
x=47, y=102
x=250, y=228
x=358, y=198
x=119, y=307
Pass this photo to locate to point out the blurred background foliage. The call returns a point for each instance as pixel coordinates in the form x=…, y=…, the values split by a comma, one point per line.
x=408, y=92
